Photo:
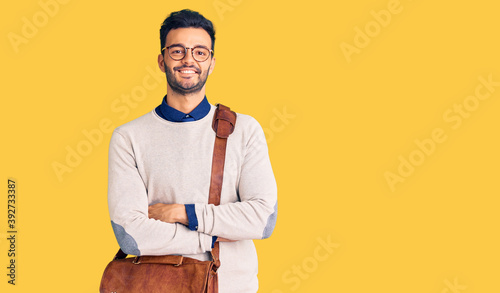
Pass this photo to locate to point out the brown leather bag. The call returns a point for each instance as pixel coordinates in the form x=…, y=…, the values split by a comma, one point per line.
x=175, y=273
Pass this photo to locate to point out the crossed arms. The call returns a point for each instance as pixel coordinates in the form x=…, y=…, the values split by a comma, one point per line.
x=160, y=228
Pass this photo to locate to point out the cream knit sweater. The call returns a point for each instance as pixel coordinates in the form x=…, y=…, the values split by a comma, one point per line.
x=153, y=160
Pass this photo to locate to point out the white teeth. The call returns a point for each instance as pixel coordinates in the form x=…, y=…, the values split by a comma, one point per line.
x=187, y=71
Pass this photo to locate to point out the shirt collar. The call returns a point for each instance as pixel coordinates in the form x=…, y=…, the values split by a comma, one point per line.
x=175, y=115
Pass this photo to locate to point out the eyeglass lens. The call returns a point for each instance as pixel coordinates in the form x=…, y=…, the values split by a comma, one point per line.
x=178, y=53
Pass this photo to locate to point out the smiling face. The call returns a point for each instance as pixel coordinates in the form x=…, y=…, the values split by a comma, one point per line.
x=186, y=76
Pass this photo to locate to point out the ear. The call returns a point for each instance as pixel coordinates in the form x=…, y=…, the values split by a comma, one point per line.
x=161, y=63
x=212, y=65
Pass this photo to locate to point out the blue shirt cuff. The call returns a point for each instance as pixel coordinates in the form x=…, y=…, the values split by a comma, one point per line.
x=191, y=214
x=214, y=239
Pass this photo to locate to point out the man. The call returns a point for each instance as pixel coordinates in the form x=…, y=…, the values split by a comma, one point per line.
x=160, y=168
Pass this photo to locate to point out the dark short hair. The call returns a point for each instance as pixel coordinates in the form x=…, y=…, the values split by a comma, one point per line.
x=184, y=19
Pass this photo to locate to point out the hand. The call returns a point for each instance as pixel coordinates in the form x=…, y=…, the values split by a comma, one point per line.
x=169, y=213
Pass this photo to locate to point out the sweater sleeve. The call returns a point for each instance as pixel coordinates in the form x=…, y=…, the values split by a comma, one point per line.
x=135, y=232
x=254, y=216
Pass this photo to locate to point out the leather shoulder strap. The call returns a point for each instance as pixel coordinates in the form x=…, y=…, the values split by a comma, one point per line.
x=223, y=125
x=224, y=121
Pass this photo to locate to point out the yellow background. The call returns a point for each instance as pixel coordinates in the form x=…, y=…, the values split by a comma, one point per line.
x=346, y=125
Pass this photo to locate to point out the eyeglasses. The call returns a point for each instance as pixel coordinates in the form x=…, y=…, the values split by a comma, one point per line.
x=178, y=52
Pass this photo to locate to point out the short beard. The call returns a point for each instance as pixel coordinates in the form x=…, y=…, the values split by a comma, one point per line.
x=184, y=91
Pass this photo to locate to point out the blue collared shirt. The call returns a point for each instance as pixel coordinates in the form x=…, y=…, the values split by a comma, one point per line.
x=168, y=113
x=171, y=114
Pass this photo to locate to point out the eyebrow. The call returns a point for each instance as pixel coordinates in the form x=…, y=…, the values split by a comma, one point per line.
x=195, y=46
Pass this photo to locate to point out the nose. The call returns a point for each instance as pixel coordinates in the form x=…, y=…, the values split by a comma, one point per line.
x=188, y=58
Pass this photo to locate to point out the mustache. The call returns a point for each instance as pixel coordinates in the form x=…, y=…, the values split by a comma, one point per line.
x=187, y=67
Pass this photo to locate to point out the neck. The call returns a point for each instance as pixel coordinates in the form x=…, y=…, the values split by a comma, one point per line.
x=184, y=103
